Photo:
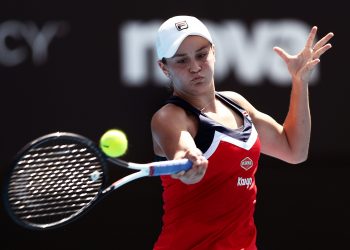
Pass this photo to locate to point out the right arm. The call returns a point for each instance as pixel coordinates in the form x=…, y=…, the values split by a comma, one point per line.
x=172, y=133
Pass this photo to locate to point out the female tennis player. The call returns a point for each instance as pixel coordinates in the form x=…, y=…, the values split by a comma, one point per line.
x=211, y=206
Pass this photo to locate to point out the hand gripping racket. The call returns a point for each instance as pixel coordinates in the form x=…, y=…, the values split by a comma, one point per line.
x=58, y=177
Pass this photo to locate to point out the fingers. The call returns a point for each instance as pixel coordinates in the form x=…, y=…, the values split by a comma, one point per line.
x=311, y=38
x=284, y=55
x=322, y=50
x=300, y=65
x=197, y=172
x=323, y=41
x=317, y=50
x=321, y=46
x=178, y=175
x=311, y=65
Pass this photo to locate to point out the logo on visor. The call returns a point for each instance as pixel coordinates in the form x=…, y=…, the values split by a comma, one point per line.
x=246, y=163
x=181, y=25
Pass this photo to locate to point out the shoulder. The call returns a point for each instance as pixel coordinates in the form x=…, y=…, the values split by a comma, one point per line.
x=240, y=100
x=167, y=114
x=234, y=96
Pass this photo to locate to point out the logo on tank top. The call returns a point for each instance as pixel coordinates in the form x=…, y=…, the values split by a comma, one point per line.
x=244, y=182
x=246, y=163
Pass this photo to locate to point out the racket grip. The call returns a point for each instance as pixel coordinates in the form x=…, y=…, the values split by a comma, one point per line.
x=169, y=167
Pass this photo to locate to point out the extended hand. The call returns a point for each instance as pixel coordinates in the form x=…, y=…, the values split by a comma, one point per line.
x=199, y=167
x=301, y=65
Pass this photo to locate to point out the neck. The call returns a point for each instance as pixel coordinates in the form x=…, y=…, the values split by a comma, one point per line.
x=205, y=107
x=201, y=101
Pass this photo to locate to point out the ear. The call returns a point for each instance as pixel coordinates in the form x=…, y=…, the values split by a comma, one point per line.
x=213, y=49
x=164, y=68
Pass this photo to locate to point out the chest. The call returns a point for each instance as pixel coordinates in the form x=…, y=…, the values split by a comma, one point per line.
x=226, y=117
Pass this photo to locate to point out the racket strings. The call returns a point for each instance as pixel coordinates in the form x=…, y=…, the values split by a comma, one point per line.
x=44, y=176
x=53, y=182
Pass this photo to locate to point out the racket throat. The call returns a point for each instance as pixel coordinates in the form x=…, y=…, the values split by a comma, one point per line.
x=124, y=180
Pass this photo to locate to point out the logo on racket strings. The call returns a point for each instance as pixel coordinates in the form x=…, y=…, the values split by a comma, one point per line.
x=94, y=176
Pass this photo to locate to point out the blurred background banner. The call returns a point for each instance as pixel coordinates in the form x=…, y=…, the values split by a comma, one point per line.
x=88, y=67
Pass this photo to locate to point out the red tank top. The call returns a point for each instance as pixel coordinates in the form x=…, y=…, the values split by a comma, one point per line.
x=216, y=213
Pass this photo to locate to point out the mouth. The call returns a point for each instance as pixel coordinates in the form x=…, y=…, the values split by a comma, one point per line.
x=198, y=79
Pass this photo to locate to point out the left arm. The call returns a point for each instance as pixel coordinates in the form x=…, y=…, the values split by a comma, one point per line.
x=297, y=125
x=290, y=141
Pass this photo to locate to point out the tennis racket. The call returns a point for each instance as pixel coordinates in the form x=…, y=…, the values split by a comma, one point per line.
x=58, y=177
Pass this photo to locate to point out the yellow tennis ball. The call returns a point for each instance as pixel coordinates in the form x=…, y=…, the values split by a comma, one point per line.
x=114, y=143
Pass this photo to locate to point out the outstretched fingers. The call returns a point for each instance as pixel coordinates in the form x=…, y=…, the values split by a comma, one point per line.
x=301, y=64
x=311, y=38
x=311, y=64
x=322, y=45
x=284, y=55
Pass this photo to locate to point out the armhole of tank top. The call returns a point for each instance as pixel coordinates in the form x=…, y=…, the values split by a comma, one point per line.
x=183, y=104
x=229, y=100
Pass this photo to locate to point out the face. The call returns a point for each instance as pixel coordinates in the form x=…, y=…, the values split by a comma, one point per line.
x=191, y=69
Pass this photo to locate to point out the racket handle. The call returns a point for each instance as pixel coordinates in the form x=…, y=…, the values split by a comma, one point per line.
x=169, y=167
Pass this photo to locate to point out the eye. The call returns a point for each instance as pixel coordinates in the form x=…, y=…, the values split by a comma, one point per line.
x=203, y=55
x=181, y=61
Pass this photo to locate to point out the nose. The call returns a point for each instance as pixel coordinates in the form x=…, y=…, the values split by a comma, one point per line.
x=195, y=66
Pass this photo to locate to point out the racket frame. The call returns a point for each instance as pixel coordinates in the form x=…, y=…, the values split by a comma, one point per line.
x=41, y=140
x=143, y=170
